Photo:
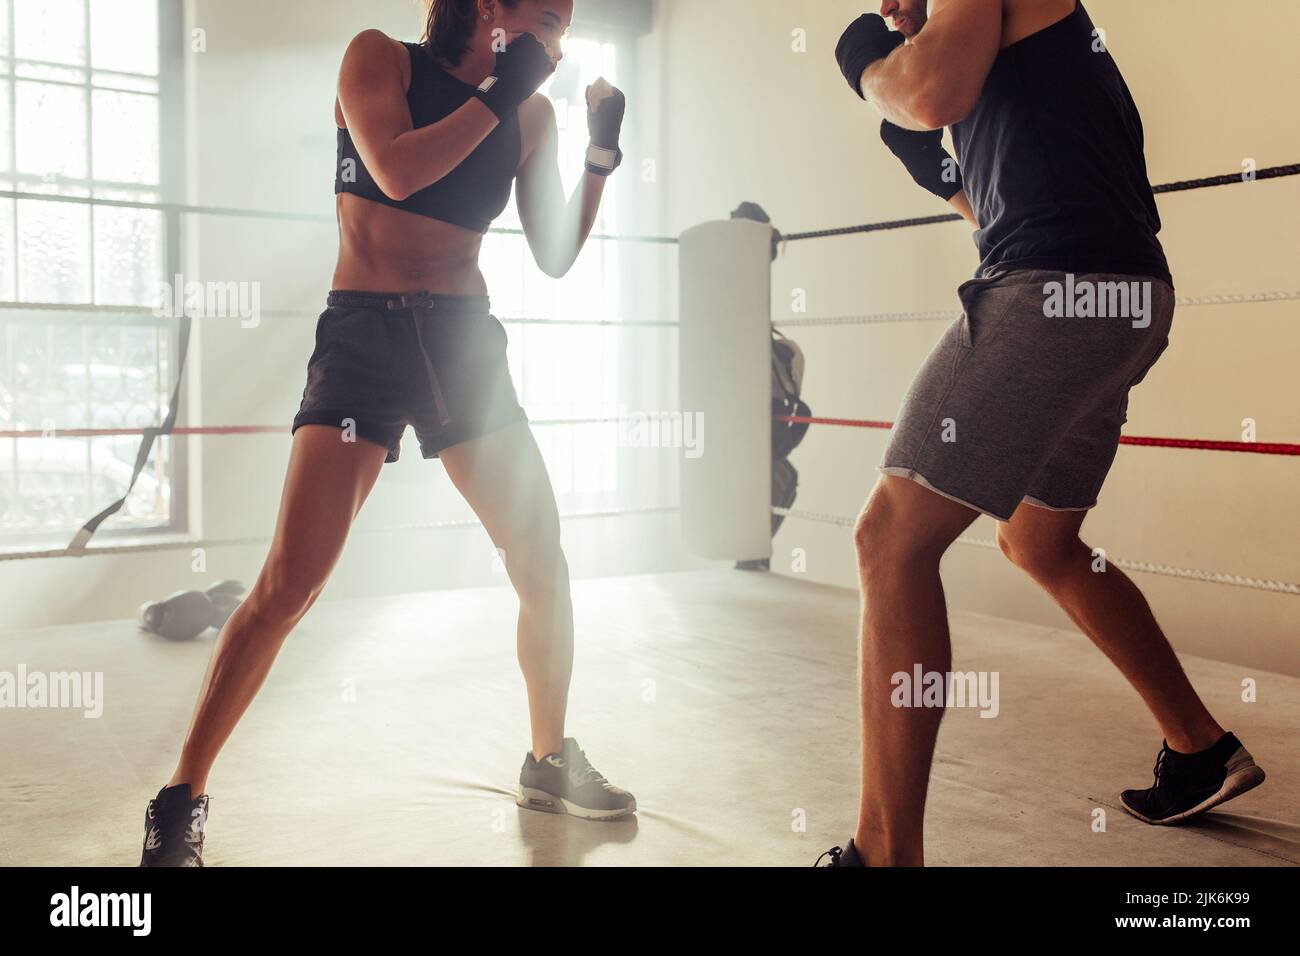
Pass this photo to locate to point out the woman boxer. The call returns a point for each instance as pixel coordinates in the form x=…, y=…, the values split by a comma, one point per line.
x=431, y=137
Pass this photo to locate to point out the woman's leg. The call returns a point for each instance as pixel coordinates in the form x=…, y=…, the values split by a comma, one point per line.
x=327, y=482
x=504, y=479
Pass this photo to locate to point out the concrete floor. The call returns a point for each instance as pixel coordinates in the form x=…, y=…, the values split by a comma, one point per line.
x=391, y=732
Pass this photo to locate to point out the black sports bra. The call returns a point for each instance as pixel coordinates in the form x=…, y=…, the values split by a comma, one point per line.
x=472, y=194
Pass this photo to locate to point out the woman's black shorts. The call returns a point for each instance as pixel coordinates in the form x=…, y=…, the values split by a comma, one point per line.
x=435, y=362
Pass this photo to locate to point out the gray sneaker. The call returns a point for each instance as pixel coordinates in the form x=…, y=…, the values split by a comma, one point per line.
x=566, y=782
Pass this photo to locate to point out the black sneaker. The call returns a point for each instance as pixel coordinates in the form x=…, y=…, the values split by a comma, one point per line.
x=842, y=856
x=566, y=782
x=1187, y=785
x=173, y=828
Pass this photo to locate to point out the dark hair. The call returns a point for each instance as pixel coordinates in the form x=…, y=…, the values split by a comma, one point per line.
x=450, y=27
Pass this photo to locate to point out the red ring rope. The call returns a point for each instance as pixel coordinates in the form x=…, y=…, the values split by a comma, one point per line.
x=1196, y=444
x=1257, y=448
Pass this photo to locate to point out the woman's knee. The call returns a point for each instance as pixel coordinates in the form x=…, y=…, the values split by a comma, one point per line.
x=538, y=569
x=285, y=591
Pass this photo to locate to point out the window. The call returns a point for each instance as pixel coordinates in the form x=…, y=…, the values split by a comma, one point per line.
x=81, y=355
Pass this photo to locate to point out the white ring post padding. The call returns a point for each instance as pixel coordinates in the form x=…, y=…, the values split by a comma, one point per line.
x=725, y=373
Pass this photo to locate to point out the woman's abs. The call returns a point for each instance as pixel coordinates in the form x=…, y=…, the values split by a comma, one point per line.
x=382, y=249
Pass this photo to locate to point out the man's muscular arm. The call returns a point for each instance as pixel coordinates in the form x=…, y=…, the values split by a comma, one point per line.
x=936, y=78
x=961, y=205
x=930, y=165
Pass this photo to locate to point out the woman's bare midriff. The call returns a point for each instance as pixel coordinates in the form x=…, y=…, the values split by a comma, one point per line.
x=382, y=249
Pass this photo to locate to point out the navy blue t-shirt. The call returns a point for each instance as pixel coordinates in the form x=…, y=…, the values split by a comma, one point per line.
x=1053, y=163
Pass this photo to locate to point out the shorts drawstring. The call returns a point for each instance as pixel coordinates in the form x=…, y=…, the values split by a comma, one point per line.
x=417, y=303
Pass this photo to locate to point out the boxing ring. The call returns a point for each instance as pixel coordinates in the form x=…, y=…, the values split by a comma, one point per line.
x=389, y=731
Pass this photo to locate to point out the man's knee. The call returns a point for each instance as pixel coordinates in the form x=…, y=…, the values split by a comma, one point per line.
x=871, y=533
x=1043, y=558
x=887, y=542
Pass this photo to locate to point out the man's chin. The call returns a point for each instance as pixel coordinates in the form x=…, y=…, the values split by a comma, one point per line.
x=906, y=26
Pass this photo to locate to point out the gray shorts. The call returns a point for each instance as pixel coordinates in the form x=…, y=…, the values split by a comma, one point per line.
x=1024, y=397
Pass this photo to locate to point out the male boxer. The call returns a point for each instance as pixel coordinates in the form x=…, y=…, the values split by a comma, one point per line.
x=1017, y=412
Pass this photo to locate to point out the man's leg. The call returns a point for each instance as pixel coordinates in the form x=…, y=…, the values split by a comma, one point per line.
x=1110, y=609
x=901, y=536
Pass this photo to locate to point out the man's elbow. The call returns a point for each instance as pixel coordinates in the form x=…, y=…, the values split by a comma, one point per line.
x=939, y=108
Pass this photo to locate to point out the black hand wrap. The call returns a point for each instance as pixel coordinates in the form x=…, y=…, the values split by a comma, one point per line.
x=866, y=40
x=605, y=123
x=925, y=158
x=521, y=68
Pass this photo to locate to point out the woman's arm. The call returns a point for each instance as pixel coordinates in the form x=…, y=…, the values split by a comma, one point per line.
x=556, y=228
x=372, y=96
x=402, y=160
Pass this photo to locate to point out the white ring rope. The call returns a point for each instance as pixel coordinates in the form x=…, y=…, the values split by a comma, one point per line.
x=1192, y=574
x=878, y=319
x=79, y=310
x=1238, y=298
x=190, y=544
x=883, y=318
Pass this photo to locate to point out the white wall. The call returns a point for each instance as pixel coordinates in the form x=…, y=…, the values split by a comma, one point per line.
x=749, y=118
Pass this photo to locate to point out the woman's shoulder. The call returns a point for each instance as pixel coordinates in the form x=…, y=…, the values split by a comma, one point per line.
x=537, y=114
x=376, y=43
x=537, y=125
x=373, y=53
